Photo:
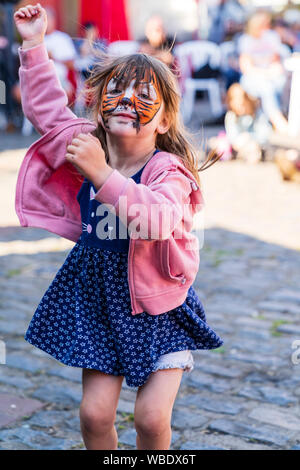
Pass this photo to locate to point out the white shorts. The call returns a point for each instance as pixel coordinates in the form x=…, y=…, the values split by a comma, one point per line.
x=178, y=359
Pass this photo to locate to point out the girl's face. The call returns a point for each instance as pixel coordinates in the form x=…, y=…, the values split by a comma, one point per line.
x=128, y=108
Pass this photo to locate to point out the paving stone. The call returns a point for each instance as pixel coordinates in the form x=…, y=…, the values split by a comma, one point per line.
x=289, y=329
x=256, y=334
x=13, y=445
x=182, y=418
x=17, y=344
x=252, y=322
x=268, y=361
x=37, y=440
x=286, y=295
x=125, y=406
x=128, y=437
x=269, y=394
x=256, y=377
x=220, y=406
x=206, y=382
x=66, y=372
x=16, y=381
x=249, y=345
x=25, y=362
x=72, y=435
x=49, y=418
x=266, y=434
x=10, y=327
x=231, y=307
x=210, y=404
x=189, y=445
x=283, y=307
x=284, y=418
x=225, y=441
x=14, y=408
x=64, y=396
x=221, y=371
x=73, y=423
x=17, y=304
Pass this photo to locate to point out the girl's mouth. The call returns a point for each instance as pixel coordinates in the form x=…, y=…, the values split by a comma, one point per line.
x=130, y=116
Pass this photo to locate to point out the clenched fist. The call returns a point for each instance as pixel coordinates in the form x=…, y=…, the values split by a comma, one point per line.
x=87, y=155
x=31, y=22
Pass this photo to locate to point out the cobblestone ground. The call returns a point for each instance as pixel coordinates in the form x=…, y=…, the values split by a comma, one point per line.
x=244, y=395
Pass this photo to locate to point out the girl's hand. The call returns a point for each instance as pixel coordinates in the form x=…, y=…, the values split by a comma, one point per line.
x=31, y=22
x=87, y=155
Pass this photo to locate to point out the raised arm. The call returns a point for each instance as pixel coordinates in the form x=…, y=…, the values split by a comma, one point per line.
x=44, y=101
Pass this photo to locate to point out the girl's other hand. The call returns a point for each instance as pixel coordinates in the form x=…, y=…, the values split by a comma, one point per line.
x=31, y=23
x=87, y=155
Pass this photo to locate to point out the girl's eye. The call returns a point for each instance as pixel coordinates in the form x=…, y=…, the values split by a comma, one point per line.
x=114, y=92
x=145, y=96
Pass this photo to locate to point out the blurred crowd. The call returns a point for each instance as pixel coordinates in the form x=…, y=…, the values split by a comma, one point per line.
x=238, y=64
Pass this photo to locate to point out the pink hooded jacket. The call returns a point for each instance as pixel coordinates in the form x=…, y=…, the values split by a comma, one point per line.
x=160, y=269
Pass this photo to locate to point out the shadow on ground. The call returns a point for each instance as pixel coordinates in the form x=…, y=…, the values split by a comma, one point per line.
x=244, y=395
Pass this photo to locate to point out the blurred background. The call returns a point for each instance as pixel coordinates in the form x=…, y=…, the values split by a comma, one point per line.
x=235, y=60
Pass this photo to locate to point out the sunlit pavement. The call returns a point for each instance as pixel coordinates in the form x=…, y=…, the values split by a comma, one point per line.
x=244, y=395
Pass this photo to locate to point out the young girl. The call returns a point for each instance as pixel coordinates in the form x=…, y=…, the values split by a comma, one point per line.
x=122, y=304
x=247, y=128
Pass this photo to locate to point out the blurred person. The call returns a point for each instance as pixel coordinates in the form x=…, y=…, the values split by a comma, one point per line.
x=263, y=75
x=62, y=51
x=156, y=42
x=3, y=74
x=226, y=18
x=9, y=63
x=85, y=56
x=86, y=60
x=287, y=35
x=247, y=128
x=230, y=66
x=292, y=18
x=288, y=163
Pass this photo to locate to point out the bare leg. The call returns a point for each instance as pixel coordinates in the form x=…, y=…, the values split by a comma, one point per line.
x=98, y=409
x=153, y=409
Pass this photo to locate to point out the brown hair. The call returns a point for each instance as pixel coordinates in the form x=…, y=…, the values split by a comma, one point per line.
x=176, y=140
x=251, y=103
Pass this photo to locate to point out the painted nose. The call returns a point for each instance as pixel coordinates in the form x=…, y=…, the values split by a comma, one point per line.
x=126, y=101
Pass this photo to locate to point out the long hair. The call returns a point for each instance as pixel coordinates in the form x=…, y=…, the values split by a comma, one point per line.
x=177, y=139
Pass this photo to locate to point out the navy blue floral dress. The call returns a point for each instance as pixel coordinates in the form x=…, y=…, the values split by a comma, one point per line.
x=84, y=318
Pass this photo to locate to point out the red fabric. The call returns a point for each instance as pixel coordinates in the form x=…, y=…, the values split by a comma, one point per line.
x=73, y=80
x=110, y=17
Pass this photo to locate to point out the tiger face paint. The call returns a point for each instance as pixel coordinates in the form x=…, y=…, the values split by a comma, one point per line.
x=142, y=101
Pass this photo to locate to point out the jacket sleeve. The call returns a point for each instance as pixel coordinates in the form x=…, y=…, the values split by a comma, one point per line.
x=44, y=101
x=159, y=207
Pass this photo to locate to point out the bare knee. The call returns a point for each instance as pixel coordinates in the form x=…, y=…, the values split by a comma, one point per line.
x=151, y=423
x=96, y=417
